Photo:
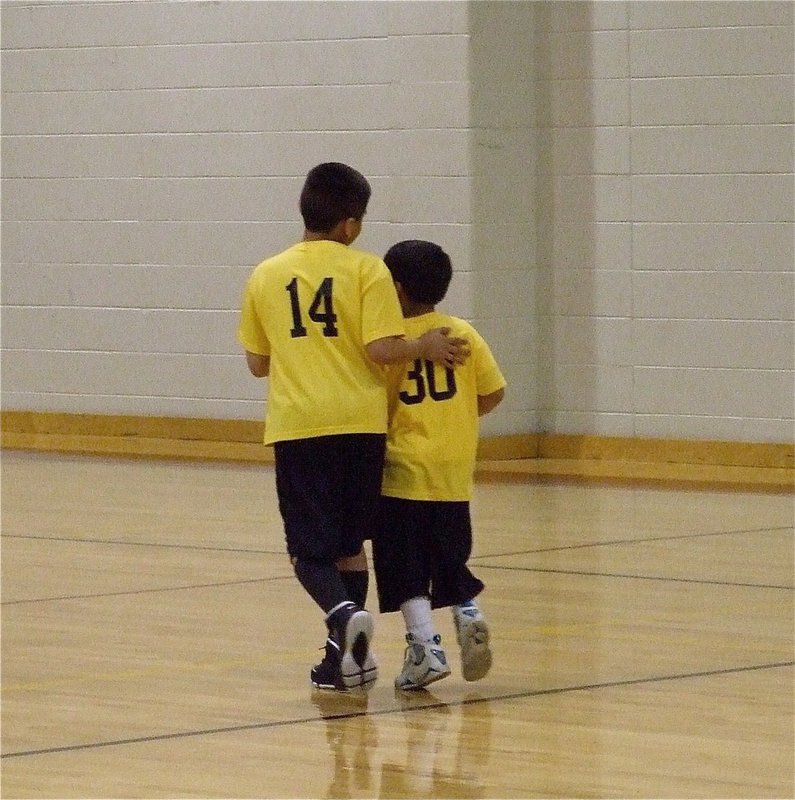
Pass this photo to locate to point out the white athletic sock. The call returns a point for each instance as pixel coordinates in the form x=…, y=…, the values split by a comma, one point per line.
x=419, y=622
x=467, y=604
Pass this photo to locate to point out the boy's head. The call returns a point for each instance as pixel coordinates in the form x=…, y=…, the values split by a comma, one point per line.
x=422, y=269
x=333, y=193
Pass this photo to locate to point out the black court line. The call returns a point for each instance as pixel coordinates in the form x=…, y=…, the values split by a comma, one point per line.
x=349, y=714
x=217, y=548
x=479, y=559
x=663, y=578
x=219, y=584
x=502, y=567
x=644, y=540
x=165, y=545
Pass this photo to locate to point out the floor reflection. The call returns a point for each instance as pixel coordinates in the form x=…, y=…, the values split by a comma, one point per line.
x=443, y=754
x=352, y=737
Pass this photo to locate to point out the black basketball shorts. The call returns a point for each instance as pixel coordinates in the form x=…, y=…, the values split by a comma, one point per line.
x=421, y=548
x=328, y=489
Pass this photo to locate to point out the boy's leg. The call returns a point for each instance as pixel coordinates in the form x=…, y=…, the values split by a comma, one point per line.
x=472, y=633
x=322, y=582
x=310, y=489
x=356, y=577
x=417, y=616
x=400, y=553
x=358, y=461
x=451, y=546
x=454, y=585
x=364, y=466
x=401, y=561
x=348, y=662
x=325, y=675
x=424, y=661
x=349, y=629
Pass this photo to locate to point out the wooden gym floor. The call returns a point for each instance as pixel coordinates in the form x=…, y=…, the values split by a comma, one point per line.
x=156, y=645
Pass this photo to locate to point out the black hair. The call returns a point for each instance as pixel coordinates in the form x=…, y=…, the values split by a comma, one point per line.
x=422, y=268
x=333, y=192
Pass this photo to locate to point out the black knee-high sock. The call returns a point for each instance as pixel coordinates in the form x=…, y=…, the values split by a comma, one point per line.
x=356, y=584
x=322, y=583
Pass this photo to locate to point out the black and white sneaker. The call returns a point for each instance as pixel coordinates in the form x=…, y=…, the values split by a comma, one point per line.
x=352, y=631
x=325, y=675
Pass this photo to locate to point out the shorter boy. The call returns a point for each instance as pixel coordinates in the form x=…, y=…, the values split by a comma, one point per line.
x=424, y=538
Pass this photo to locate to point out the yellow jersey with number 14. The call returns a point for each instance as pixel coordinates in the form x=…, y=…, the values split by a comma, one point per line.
x=433, y=417
x=312, y=309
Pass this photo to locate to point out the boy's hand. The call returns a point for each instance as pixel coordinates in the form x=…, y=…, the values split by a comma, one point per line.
x=437, y=345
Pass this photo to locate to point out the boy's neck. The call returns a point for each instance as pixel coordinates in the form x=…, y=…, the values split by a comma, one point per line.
x=346, y=231
x=323, y=236
x=411, y=309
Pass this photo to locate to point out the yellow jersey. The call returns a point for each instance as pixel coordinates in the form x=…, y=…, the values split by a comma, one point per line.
x=433, y=417
x=312, y=309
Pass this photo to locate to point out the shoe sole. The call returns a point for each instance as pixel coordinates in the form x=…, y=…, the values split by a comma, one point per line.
x=319, y=685
x=357, y=665
x=473, y=637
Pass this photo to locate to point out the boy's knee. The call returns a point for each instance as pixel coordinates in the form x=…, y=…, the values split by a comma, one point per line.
x=357, y=563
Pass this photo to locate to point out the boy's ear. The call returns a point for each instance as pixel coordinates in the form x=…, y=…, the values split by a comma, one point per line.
x=351, y=229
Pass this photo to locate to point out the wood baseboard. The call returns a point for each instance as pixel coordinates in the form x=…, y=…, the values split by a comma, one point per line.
x=135, y=437
x=742, y=466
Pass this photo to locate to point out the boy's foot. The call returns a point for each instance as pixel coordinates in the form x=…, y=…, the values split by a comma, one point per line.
x=352, y=631
x=425, y=662
x=472, y=632
x=325, y=674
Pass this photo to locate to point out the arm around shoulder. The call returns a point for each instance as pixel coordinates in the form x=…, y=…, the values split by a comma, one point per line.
x=392, y=350
x=435, y=345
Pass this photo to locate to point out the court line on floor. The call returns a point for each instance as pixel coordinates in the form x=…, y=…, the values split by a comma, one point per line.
x=165, y=545
x=218, y=548
x=474, y=559
x=98, y=595
x=664, y=578
x=387, y=711
x=644, y=540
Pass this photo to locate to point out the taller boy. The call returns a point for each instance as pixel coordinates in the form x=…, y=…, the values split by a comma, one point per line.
x=318, y=319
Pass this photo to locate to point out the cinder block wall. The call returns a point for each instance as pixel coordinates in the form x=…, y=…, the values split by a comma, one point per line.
x=665, y=207
x=613, y=181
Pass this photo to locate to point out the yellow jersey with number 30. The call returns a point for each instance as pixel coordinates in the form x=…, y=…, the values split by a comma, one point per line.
x=312, y=309
x=433, y=417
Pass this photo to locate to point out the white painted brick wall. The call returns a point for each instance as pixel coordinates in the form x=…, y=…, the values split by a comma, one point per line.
x=613, y=181
x=669, y=204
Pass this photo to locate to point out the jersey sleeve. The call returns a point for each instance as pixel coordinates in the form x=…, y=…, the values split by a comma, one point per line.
x=381, y=314
x=250, y=332
x=488, y=375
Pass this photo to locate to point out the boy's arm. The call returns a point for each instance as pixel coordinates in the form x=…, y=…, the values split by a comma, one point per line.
x=488, y=402
x=258, y=365
x=434, y=345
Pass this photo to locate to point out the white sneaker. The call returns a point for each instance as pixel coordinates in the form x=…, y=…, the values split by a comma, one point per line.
x=472, y=632
x=425, y=662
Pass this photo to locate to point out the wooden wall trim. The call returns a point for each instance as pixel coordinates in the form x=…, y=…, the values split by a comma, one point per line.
x=668, y=451
x=532, y=456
